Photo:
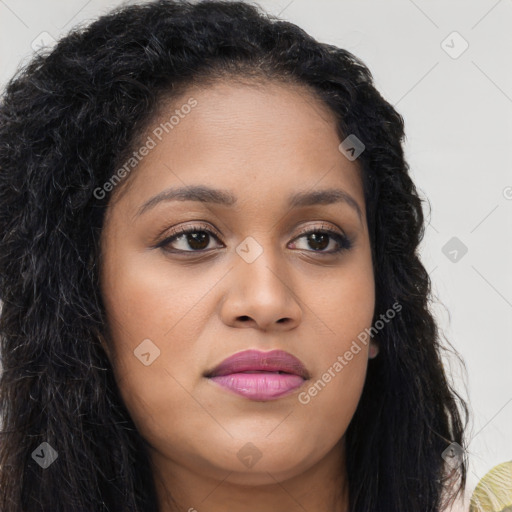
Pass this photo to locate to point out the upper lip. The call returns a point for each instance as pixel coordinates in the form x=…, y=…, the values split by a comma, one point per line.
x=273, y=361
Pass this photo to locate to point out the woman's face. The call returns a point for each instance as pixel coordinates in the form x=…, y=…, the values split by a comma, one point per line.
x=245, y=278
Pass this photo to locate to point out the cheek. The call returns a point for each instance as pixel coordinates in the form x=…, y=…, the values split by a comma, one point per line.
x=331, y=396
x=161, y=406
x=146, y=299
x=354, y=290
x=155, y=316
x=346, y=310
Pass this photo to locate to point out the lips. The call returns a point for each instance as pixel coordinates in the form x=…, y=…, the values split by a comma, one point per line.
x=252, y=361
x=259, y=375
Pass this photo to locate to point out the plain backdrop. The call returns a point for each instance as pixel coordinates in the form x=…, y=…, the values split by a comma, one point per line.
x=446, y=67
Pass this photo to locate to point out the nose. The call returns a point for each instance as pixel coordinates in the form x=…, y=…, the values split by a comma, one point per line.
x=261, y=295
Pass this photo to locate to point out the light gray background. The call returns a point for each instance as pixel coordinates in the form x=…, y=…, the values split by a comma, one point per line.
x=458, y=115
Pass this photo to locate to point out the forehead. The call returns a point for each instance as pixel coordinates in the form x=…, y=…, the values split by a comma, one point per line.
x=244, y=116
x=253, y=138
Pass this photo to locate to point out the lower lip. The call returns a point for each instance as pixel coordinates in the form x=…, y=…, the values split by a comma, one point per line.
x=260, y=386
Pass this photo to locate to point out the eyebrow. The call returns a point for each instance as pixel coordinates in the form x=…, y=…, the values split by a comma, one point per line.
x=204, y=194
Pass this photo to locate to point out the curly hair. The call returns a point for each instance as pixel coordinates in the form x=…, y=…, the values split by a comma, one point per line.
x=66, y=121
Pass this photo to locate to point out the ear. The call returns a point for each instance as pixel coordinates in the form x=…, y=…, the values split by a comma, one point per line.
x=373, y=349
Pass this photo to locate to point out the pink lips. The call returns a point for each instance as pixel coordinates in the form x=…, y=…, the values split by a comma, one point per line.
x=260, y=375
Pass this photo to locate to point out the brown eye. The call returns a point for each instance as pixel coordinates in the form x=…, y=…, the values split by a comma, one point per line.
x=319, y=239
x=198, y=239
x=193, y=239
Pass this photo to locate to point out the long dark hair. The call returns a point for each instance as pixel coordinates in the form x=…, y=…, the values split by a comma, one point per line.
x=66, y=120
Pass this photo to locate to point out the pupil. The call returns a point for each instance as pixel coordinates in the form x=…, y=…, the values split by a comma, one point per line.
x=314, y=238
x=196, y=240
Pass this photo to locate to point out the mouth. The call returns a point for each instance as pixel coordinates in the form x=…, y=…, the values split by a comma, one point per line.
x=259, y=375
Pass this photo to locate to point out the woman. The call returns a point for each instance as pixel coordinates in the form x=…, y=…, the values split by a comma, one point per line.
x=292, y=362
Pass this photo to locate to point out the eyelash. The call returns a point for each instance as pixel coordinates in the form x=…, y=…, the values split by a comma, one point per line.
x=344, y=243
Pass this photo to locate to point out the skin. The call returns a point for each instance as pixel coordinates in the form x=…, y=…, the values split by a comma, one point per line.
x=262, y=142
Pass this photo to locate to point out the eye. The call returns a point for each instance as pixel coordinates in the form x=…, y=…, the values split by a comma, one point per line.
x=321, y=238
x=198, y=238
